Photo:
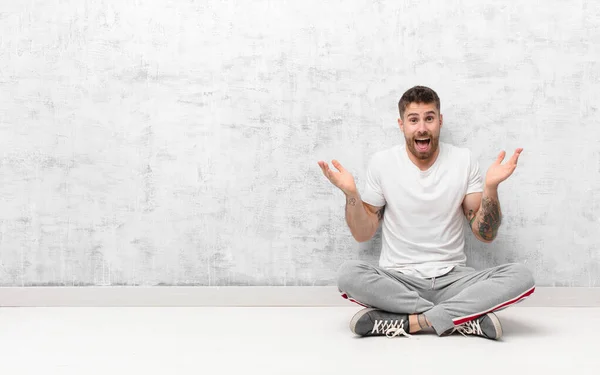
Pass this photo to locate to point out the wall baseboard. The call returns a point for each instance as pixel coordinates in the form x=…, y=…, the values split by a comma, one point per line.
x=238, y=296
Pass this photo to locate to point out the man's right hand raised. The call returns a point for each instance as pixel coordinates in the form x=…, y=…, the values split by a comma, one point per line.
x=342, y=179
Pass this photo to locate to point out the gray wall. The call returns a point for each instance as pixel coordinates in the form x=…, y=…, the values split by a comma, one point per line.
x=175, y=142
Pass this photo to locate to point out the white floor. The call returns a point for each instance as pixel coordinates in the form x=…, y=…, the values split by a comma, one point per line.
x=283, y=341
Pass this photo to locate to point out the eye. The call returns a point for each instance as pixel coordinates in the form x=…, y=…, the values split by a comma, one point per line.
x=413, y=120
x=429, y=118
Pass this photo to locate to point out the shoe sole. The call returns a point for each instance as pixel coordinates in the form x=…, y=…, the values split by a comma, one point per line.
x=496, y=322
x=357, y=317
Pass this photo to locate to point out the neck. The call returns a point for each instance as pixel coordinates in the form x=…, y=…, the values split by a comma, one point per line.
x=423, y=164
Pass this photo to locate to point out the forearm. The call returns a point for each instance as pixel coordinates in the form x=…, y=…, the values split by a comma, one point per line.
x=362, y=224
x=486, y=223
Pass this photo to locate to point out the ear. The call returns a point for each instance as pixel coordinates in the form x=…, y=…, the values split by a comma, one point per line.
x=401, y=124
x=441, y=120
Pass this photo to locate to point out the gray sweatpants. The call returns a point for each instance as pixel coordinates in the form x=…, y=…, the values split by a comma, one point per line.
x=462, y=295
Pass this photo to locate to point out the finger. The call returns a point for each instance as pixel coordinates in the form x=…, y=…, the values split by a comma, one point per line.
x=338, y=166
x=501, y=156
x=330, y=174
x=324, y=168
x=515, y=158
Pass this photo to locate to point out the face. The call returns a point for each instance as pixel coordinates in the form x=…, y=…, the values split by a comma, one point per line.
x=421, y=127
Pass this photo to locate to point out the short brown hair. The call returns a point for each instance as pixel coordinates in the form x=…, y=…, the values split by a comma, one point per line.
x=418, y=94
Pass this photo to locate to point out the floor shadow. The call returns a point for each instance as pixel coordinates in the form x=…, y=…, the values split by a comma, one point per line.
x=523, y=327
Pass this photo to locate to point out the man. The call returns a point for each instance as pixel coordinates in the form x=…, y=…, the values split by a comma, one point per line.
x=420, y=192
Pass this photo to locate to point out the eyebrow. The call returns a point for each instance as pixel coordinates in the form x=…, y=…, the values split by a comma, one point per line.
x=416, y=114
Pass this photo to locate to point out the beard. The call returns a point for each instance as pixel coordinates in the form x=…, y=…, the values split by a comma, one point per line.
x=423, y=150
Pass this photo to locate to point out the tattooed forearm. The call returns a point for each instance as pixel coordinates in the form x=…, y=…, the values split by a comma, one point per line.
x=488, y=218
x=350, y=203
x=360, y=220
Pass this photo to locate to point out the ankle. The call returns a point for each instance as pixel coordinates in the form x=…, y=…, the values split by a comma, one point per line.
x=417, y=322
x=413, y=324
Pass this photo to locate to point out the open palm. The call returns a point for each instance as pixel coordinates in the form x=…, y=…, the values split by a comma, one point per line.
x=342, y=179
x=499, y=172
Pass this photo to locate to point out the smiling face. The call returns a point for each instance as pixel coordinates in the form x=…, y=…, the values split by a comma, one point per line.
x=421, y=124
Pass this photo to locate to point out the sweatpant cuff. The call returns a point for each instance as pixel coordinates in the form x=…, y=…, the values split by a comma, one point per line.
x=439, y=319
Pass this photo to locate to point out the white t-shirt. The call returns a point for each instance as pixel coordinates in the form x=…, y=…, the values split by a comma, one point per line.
x=423, y=224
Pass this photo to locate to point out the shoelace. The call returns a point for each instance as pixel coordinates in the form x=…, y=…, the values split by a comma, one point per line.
x=391, y=328
x=469, y=328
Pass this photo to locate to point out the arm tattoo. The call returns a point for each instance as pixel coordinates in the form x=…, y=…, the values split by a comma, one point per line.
x=380, y=213
x=471, y=217
x=489, y=219
x=350, y=202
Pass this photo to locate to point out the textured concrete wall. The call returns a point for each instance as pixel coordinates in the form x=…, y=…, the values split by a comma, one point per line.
x=175, y=142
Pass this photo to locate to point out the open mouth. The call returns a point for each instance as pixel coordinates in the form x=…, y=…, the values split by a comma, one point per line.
x=422, y=144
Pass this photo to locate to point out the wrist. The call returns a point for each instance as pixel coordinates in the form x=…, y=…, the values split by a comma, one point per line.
x=490, y=188
x=351, y=193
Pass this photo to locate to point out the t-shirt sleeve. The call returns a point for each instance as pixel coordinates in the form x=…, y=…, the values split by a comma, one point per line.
x=475, y=182
x=373, y=193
